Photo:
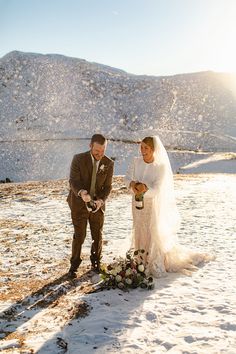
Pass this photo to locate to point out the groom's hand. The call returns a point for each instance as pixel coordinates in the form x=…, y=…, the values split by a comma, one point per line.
x=85, y=196
x=99, y=203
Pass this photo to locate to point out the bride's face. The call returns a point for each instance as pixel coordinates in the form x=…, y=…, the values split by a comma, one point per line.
x=147, y=152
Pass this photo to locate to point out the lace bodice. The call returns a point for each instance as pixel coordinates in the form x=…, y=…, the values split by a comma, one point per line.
x=148, y=173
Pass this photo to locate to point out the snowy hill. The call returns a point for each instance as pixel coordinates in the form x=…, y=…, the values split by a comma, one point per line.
x=47, y=102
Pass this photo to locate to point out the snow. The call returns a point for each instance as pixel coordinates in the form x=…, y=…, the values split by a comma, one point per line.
x=213, y=163
x=45, y=160
x=50, y=105
x=44, y=312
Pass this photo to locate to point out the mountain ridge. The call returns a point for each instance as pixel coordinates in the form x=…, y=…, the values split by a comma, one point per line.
x=48, y=98
x=52, y=92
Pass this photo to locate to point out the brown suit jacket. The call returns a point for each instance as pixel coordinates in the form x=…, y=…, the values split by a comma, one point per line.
x=80, y=178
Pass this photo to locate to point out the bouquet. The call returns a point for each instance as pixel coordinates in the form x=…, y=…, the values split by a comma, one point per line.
x=128, y=273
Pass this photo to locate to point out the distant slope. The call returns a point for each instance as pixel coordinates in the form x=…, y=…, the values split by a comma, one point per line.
x=50, y=105
x=46, y=96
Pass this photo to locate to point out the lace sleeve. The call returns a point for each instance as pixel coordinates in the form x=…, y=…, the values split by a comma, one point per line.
x=154, y=189
x=130, y=173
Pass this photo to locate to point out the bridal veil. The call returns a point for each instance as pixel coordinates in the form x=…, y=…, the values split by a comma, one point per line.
x=165, y=253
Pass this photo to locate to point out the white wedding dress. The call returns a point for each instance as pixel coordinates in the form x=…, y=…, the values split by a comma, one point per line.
x=155, y=226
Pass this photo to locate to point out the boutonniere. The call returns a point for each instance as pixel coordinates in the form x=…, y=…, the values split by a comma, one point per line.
x=101, y=168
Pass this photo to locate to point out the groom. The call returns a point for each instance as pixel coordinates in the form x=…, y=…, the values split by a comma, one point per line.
x=90, y=179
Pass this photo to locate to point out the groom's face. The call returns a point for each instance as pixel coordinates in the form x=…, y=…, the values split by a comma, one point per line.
x=98, y=150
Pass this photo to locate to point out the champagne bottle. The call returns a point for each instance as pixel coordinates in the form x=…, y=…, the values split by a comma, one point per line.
x=139, y=201
x=91, y=206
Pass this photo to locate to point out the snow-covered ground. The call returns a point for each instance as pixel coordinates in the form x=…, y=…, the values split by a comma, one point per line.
x=44, y=312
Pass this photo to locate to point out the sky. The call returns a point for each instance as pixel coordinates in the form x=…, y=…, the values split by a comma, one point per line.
x=151, y=37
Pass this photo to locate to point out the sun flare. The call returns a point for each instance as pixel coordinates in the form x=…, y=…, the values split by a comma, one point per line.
x=221, y=38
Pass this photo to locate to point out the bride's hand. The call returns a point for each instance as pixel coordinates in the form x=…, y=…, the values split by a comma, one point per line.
x=140, y=188
x=133, y=187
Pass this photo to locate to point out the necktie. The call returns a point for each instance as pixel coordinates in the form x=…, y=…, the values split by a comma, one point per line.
x=93, y=180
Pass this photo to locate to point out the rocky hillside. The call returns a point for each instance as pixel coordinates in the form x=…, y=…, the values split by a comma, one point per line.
x=50, y=105
x=53, y=96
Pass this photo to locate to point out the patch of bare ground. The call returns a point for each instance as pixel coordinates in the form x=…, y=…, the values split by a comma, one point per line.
x=53, y=188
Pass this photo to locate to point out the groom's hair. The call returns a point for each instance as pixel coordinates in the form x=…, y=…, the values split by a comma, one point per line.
x=98, y=138
x=148, y=140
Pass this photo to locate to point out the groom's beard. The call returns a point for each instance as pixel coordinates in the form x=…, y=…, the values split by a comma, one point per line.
x=98, y=157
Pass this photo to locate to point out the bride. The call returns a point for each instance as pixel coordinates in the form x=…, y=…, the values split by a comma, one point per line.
x=156, y=220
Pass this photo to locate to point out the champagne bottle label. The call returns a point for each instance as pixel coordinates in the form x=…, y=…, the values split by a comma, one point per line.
x=139, y=204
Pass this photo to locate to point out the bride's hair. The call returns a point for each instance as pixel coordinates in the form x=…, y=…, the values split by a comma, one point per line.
x=148, y=140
